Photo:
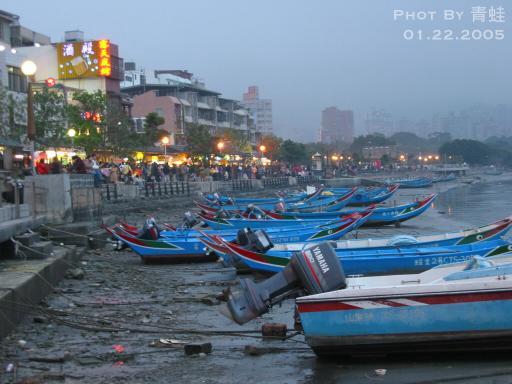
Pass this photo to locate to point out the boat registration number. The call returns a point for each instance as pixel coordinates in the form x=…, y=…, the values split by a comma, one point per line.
x=436, y=260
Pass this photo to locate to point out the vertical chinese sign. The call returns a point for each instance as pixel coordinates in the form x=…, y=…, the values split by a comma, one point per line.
x=82, y=59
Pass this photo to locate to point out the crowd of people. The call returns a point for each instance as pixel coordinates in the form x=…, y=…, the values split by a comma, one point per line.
x=139, y=173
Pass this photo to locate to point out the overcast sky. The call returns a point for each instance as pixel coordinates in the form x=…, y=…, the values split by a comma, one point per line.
x=304, y=55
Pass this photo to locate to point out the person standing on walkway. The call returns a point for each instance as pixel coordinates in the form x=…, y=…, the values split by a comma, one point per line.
x=42, y=168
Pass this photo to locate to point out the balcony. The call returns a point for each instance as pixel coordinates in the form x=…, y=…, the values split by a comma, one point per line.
x=206, y=122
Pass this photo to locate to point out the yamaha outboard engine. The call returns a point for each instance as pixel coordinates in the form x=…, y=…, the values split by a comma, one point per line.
x=189, y=220
x=313, y=270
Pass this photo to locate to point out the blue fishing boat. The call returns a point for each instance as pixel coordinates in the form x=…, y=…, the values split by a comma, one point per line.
x=421, y=182
x=381, y=215
x=462, y=307
x=179, y=248
x=443, y=179
x=488, y=232
x=228, y=200
x=379, y=261
x=372, y=196
x=328, y=203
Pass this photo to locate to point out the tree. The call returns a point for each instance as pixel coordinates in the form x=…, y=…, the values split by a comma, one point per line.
x=12, y=114
x=472, y=151
x=120, y=136
x=292, y=152
x=371, y=140
x=272, y=144
x=153, y=133
x=50, y=117
x=199, y=140
x=237, y=139
x=87, y=116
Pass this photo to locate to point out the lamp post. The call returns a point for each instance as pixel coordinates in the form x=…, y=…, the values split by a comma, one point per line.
x=262, y=151
x=72, y=134
x=165, y=142
x=220, y=146
x=29, y=69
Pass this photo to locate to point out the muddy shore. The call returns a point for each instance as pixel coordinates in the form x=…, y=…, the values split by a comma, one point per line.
x=116, y=320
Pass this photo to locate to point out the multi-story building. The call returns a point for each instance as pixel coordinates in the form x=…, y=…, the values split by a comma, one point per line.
x=379, y=121
x=13, y=39
x=73, y=65
x=180, y=99
x=337, y=126
x=260, y=109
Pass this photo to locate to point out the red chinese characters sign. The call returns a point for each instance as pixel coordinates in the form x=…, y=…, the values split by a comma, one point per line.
x=83, y=59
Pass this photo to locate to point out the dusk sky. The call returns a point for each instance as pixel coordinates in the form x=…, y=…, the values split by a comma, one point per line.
x=304, y=55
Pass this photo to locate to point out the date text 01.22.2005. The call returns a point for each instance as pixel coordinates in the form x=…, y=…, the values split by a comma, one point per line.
x=453, y=35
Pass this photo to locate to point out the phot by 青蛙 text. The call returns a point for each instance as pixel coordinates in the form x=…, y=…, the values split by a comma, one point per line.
x=475, y=23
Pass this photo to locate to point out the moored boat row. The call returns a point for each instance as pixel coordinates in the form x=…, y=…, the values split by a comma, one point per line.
x=394, y=294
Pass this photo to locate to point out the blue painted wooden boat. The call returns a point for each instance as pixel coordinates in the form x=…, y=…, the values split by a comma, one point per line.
x=328, y=203
x=375, y=196
x=180, y=248
x=290, y=230
x=421, y=182
x=443, y=179
x=488, y=232
x=228, y=200
x=380, y=261
x=381, y=215
x=462, y=307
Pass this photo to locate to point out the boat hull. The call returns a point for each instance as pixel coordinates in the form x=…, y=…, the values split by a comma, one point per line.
x=441, y=322
x=380, y=262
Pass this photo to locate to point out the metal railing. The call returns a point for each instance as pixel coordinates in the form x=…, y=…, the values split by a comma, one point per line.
x=115, y=191
x=310, y=179
x=276, y=182
x=170, y=188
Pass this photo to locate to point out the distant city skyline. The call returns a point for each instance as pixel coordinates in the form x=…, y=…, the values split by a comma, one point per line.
x=354, y=54
x=476, y=121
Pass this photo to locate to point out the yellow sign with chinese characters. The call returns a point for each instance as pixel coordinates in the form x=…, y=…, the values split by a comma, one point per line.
x=82, y=59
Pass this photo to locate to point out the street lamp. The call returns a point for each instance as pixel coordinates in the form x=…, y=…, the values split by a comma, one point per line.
x=72, y=133
x=220, y=146
x=165, y=141
x=29, y=69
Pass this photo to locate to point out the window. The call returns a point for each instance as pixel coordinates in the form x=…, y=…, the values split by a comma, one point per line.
x=138, y=123
x=159, y=111
x=17, y=80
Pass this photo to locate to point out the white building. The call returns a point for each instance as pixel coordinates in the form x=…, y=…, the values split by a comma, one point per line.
x=180, y=99
x=261, y=110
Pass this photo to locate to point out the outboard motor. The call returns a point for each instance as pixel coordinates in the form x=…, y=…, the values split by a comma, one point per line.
x=189, y=220
x=150, y=230
x=222, y=214
x=257, y=241
x=279, y=207
x=242, y=236
x=313, y=270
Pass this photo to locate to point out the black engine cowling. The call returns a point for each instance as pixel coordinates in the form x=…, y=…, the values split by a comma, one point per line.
x=313, y=270
x=254, y=240
x=189, y=220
